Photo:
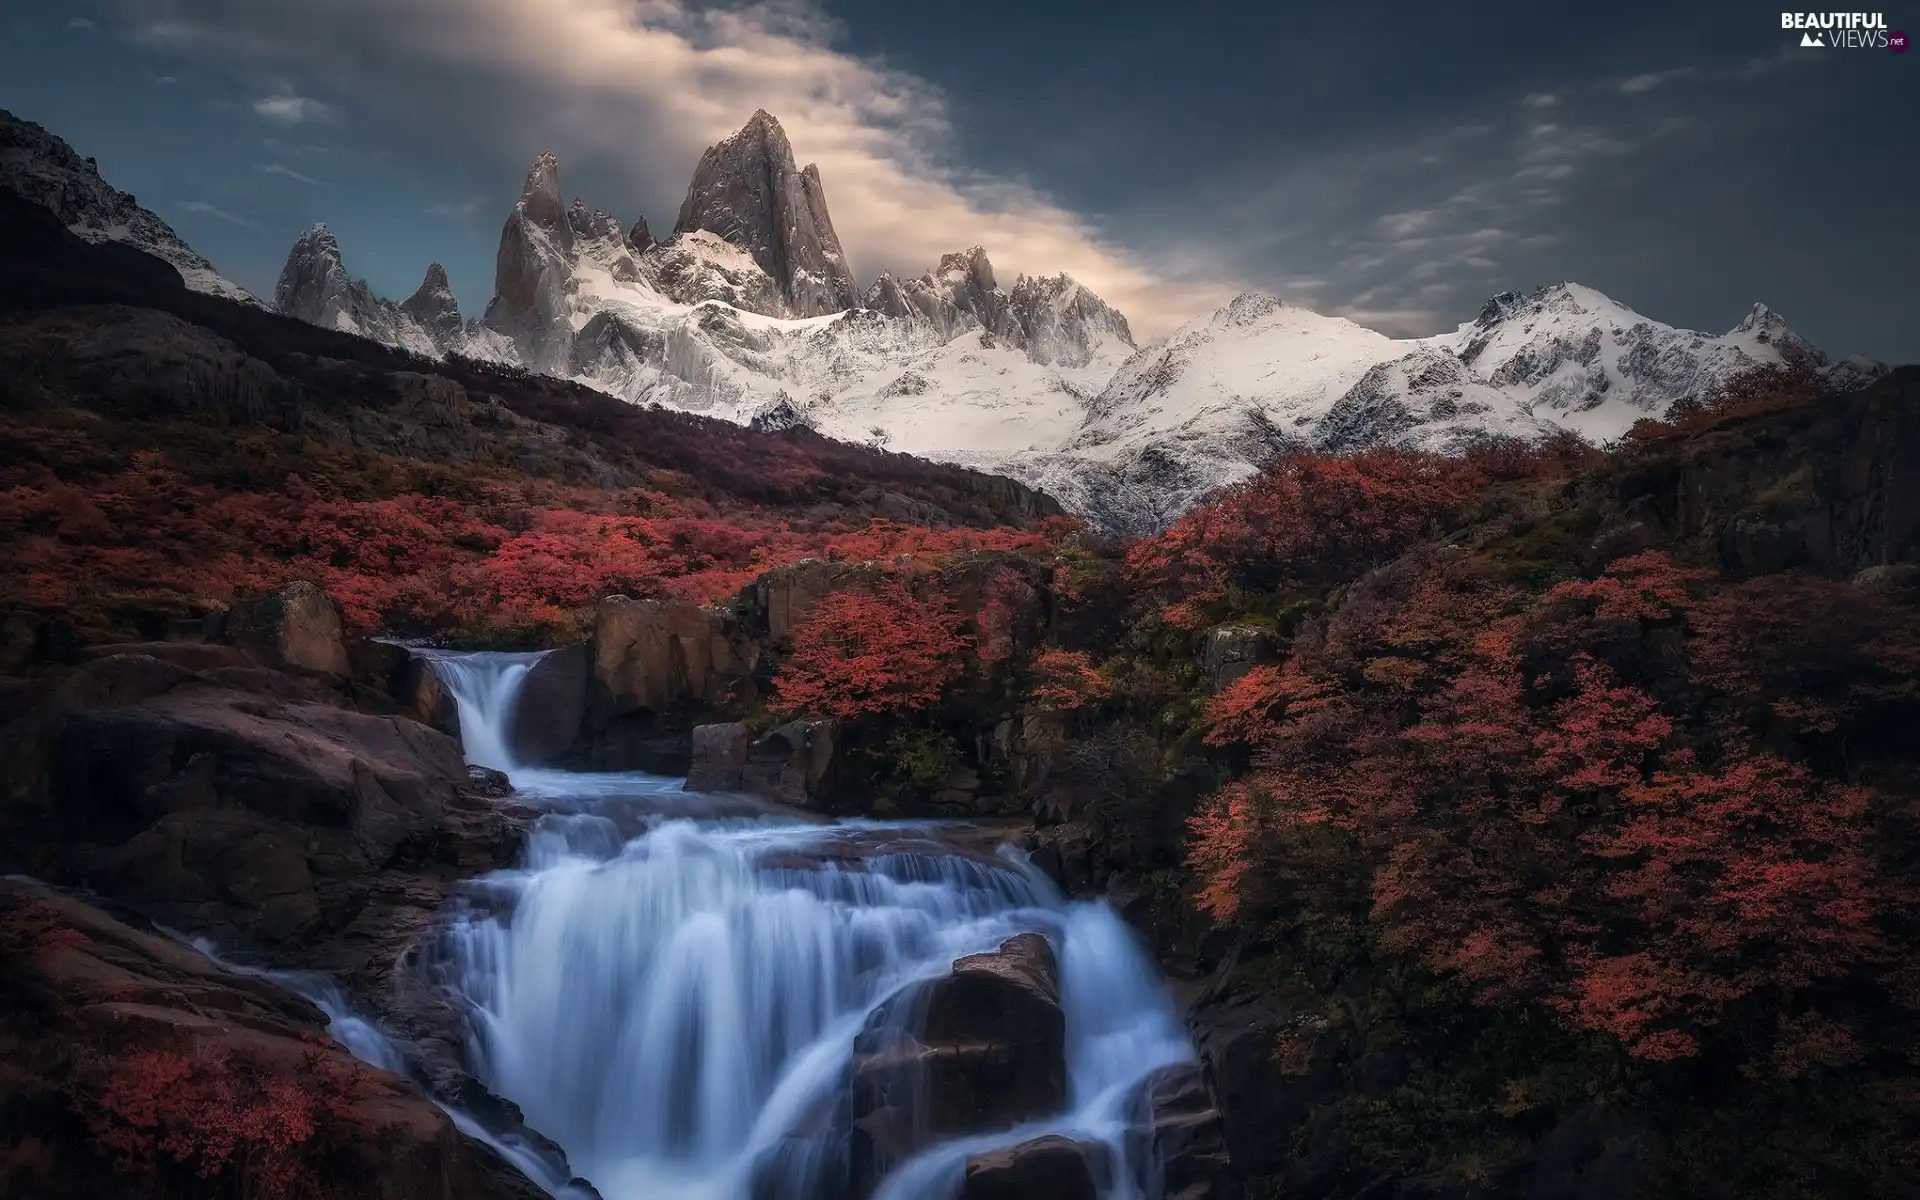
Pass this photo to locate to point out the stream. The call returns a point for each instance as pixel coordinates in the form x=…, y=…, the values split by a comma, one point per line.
x=671, y=984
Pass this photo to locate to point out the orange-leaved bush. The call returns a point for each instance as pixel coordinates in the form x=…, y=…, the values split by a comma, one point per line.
x=1064, y=680
x=861, y=653
x=1306, y=519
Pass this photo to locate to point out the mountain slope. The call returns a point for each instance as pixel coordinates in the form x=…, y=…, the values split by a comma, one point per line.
x=40, y=167
x=1581, y=359
x=747, y=312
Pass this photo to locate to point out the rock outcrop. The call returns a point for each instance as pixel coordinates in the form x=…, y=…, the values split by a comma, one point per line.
x=296, y=627
x=791, y=763
x=92, y=1009
x=548, y=721
x=1045, y=1168
x=530, y=305
x=1231, y=651
x=979, y=1050
x=719, y=757
x=748, y=191
x=1182, y=1137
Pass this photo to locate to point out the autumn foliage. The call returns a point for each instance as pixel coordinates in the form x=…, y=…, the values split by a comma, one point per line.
x=1572, y=800
x=221, y=1116
x=869, y=653
x=492, y=553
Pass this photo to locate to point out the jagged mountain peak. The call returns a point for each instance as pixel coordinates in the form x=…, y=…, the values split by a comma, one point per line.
x=640, y=237
x=541, y=198
x=594, y=223
x=748, y=191
x=314, y=286
x=434, y=307
x=1249, y=308
x=971, y=264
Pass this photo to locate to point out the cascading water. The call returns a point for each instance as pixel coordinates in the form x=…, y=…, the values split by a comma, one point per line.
x=486, y=685
x=674, y=985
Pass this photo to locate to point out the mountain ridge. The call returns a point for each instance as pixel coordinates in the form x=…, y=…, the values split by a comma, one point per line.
x=733, y=315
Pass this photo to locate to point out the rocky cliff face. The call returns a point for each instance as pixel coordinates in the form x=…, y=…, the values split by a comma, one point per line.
x=315, y=287
x=530, y=302
x=433, y=307
x=40, y=167
x=748, y=191
x=1053, y=319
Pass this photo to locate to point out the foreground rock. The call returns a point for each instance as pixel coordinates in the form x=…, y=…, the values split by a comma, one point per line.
x=1183, y=1137
x=1046, y=1168
x=135, y=1066
x=981, y=1050
x=296, y=627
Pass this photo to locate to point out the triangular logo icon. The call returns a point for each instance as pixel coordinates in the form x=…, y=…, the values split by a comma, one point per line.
x=1812, y=39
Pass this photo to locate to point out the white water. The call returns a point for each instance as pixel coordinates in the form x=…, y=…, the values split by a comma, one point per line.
x=487, y=684
x=672, y=983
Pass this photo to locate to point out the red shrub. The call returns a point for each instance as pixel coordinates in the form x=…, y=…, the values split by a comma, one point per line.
x=859, y=653
x=1064, y=680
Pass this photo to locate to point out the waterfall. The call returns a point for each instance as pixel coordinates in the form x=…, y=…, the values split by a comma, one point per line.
x=486, y=687
x=671, y=988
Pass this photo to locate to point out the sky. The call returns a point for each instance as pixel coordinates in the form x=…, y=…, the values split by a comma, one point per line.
x=1397, y=164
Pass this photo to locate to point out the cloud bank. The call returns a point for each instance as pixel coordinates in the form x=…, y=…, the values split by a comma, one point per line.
x=633, y=90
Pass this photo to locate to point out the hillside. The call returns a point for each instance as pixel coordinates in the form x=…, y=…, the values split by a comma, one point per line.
x=161, y=442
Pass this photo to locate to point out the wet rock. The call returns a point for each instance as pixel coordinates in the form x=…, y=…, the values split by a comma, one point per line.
x=297, y=626
x=1255, y=1093
x=1231, y=651
x=1072, y=856
x=1046, y=1168
x=981, y=1049
x=719, y=757
x=662, y=657
x=1181, y=1143
x=551, y=715
x=792, y=763
x=418, y=693
x=231, y=802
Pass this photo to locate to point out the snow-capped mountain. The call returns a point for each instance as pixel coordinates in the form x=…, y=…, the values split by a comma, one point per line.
x=315, y=287
x=1583, y=360
x=40, y=167
x=1200, y=409
x=748, y=311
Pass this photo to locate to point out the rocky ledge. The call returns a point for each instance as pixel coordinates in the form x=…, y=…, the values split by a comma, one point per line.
x=257, y=781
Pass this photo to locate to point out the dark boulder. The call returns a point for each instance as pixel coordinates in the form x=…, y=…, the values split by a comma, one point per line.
x=979, y=1050
x=1046, y=1168
x=1181, y=1143
x=551, y=714
x=295, y=627
x=792, y=763
x=719, y=757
